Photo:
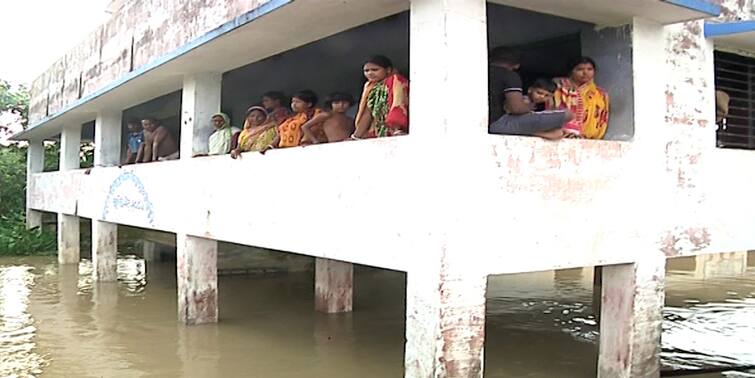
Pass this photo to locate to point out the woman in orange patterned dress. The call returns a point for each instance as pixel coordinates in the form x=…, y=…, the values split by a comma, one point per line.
x=304, y=105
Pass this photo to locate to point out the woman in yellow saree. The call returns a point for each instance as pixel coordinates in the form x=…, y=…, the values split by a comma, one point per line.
x=588, y=102
x=259, y=131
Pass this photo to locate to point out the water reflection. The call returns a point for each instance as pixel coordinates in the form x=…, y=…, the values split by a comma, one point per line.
x=55, y=319
x=709, y=319
x=17, y=356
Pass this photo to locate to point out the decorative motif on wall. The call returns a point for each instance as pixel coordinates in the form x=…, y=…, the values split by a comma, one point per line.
x=128, y=199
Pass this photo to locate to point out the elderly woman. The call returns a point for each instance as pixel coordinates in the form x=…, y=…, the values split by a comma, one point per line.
x=587, y=101
x=222, y=138
x=259, y=131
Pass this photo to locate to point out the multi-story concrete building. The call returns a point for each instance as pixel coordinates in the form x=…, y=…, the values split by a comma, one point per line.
x=449, y=204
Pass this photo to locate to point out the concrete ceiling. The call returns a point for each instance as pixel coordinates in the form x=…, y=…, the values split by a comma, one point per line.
x=738, y=35
x=619, y=12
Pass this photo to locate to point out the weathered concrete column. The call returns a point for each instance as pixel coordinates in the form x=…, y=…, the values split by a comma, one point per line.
x=104, y=251
x=631, y=318
x=445, y=302
x=150, y=251
x=70, y=147
x=35, y=163
x=445, y=324
x=200, y=100
x=597, y=290
x=68, y=225
x=107, y=152
x=457, y=31
x=334, y=286
x=197, y=279
x=107, y=139
x=68, y=239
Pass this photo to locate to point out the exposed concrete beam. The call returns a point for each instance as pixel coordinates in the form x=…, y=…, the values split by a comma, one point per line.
x=334, y=286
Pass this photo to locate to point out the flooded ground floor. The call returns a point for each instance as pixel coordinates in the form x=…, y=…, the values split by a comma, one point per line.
x=55, y=322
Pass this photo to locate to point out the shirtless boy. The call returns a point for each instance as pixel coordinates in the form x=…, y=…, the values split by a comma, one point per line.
x=158, y=143
x=335, y=124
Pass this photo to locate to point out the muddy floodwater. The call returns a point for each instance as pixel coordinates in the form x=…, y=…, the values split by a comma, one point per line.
x=55, y=322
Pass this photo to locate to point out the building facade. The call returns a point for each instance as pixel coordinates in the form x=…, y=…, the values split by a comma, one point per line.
x=449, y=204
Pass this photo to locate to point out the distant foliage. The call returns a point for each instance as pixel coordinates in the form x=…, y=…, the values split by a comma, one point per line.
x=15, y=239
x=14, y=100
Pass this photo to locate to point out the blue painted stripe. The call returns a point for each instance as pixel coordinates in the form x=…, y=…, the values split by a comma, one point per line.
x=701, y=6
x=199, y=41
x=713, y=30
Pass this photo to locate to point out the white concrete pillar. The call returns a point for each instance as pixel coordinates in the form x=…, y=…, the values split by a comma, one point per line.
x=334, y=284
x=107, y=152
x=68, y=225
x=104, y=251
x=445, y=321
x=107, y=139
x=68, y=239
x=631, y=319
x=445, y=324
x=200, y=100
x=70, y=147
x=457, y=32
x=150, y=252
x=35, y=163
x=197, y=278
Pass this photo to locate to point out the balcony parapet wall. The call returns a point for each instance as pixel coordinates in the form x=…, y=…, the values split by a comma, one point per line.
x=136, y=35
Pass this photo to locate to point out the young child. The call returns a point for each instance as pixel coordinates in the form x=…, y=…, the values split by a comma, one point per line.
x=304, y=106
x=275, y=104
x=540, y=99
x=540, y=94
x=135, y=142
x=335, y=124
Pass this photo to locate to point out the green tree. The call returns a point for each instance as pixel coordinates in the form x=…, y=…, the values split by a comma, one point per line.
x=14, y=100
x=15, y=239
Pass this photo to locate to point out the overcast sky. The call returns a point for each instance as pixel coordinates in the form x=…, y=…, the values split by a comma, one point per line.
x=35, y=33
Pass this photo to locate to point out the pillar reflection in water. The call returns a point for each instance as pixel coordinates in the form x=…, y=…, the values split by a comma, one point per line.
x=334, y=338
x=68, y=285
x=198, y=350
